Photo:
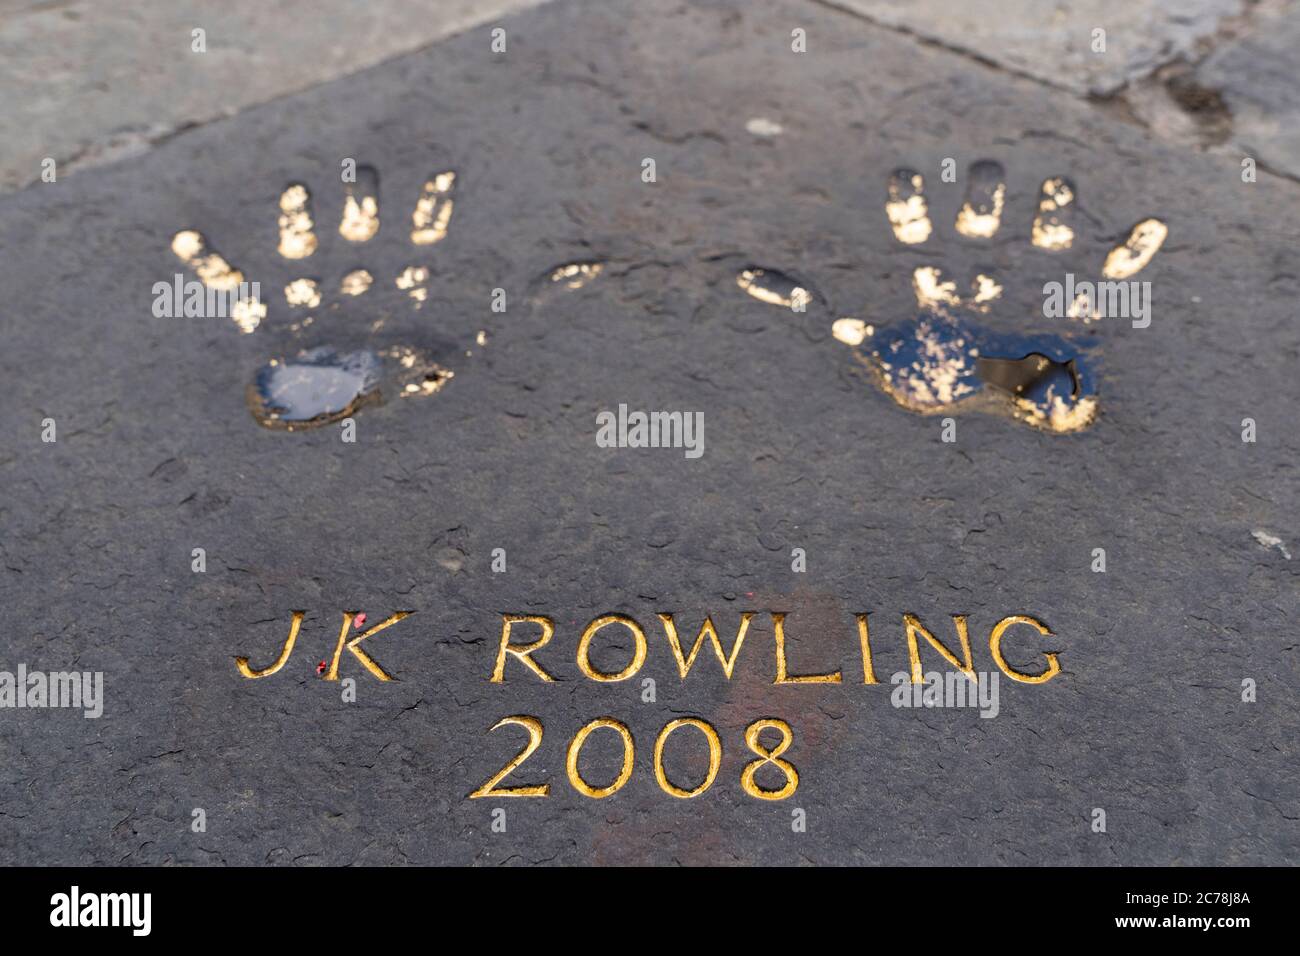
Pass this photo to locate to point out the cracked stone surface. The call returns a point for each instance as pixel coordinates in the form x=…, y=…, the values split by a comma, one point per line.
x=157, y=455
x=1053, y=42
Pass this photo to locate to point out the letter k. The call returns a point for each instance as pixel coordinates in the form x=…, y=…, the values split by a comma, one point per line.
x=366, y=660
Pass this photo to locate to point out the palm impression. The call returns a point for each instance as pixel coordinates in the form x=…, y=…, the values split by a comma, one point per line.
x=943, y=360
x=356, y=360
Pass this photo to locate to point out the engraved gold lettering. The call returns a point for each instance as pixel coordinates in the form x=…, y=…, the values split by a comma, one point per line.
x=490, y=789
x=368, y=662
x=242, y=662
x=638, y=655
x=782, y=674
x=575, y=748
x=706, y=630
x=864, y=639
x=715, y=755
x=995, y=648
x=747, y=782
x=915, y=627
x=522, y=651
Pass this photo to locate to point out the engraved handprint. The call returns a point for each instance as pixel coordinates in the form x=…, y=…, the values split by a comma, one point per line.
x=943, y=360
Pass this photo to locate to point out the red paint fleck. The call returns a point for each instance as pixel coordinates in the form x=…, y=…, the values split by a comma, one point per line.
x=359, y=620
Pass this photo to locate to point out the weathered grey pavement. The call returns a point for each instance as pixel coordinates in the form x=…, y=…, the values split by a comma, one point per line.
x=157, y=454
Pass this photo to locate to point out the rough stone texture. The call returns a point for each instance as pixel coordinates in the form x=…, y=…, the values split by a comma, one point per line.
x=1053, y=42
x=1257, y=78
x=86, y=82
x=157, y=455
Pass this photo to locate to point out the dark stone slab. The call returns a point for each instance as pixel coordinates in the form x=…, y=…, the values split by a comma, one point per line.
x=157, y=454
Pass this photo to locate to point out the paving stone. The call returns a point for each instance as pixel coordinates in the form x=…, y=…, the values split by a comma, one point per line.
x=157, y=454
x=88, y=83
x=1054, y=43
x=1256, y=76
